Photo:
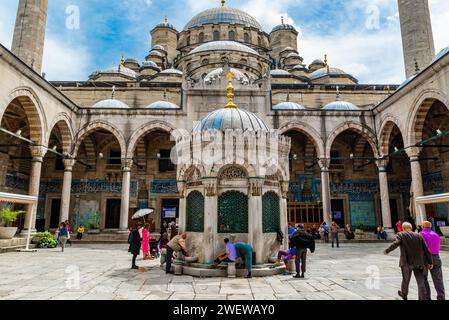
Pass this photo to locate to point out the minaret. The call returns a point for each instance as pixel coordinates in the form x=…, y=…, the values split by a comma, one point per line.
x=29, y=32
x=417, y=36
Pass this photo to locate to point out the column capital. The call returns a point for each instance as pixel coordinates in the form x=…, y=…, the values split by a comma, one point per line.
x=210, y=186
x=413, y=153
x=382, y=164
x=69, y=164
x=324, y=164
x=255, y=186
x=284, y=189
x=38, y=152
x=127, y=164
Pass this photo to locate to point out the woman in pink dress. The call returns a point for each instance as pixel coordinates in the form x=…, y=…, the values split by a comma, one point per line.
x=146, y=242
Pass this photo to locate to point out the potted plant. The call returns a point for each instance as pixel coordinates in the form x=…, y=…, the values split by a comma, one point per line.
x=445, y=230
x=94, y=224
x=7, y=217
x=360, y=231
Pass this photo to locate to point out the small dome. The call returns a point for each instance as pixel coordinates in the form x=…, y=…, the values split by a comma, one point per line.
x=231, y=119
x=293, y=55
x=162, y=105
x=155, y=53
x=172, y=71
x=286, y=49
x=217, y=73
x=118, y=70
x=111, y=104
x=327, y=71
x=440, y=54
x=149, y=64
x=288, y=106
x=223, y=15
x=341, y=105
x=299, y=67
x=223, y=46
x=130, y=60
x=165, y=24
x=279, y=72
x=317, y=61
x=158, y=47
x=287, y=27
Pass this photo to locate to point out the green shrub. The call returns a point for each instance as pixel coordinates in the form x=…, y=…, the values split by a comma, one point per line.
x=46, y=240
x=8, y=216
x=361, y=227
x=93, y=223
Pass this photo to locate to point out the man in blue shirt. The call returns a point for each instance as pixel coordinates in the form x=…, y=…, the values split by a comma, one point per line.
x=230, y=256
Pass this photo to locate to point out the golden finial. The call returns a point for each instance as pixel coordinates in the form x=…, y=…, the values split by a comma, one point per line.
x=282, y=19
x=122, y=60
x=231, y=104
x=223, y=3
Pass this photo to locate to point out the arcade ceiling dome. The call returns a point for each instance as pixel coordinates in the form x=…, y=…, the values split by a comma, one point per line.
x=223, y=15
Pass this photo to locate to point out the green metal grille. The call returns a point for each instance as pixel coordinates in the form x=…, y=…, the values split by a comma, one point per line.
x=271, y=213
x=195, y=212
x=233, y=212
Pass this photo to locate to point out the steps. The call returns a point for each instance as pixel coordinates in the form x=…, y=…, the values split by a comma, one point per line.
x=12, y=245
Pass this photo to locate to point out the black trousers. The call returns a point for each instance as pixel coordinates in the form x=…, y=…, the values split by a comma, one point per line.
x=301, y=260
x=134, y=260
x=437, y=278
x=419, y=276
x=168, y=259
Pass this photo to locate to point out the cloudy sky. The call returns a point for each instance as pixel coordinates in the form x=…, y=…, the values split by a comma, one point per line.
x=360, y=36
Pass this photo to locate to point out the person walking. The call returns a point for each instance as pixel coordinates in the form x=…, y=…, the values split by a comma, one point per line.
x=176, y=244
x=146, y=242
x=135, y=242
x=245, y=251
x=163, y=241
x=399, y=226
x=335, y=228
x=69, y=232
x=63, y=235
x=325, y=230
x=415, y=257
x=302, y=241
x=433, y=242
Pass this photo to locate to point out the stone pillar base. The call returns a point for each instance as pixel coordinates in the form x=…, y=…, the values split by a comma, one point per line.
x=24, y=233
x=231, y=270
x=390, y=233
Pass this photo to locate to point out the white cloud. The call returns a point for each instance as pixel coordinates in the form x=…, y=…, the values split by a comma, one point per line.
x=65, y=62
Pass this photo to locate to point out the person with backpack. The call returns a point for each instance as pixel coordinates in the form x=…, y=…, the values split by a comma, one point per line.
x=302, y=241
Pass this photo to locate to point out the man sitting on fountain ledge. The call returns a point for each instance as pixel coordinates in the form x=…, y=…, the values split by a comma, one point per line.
x=177, y=244
x=230, y=256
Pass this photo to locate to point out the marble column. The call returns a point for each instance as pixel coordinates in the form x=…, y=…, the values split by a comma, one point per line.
x=283, y=208
x=126, y=186
x=255, y=224
x=66, y=189
x=210, y=235
x=417, y=185
x=182, y=207
x=385, y=195
x=37, y=154
x=325, y=190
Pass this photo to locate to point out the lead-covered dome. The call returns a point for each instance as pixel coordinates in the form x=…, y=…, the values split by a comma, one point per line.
x=217, y=73
x=163, y=105
x=231, y=119
x=288, y=106
x=223, y=15
x=223, y=46
x=341, y=105
x=111, y=104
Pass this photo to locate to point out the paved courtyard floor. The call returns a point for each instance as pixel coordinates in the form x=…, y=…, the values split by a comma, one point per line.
x=101, y=272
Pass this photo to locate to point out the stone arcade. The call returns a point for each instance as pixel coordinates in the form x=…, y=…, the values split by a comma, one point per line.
x=95, y=151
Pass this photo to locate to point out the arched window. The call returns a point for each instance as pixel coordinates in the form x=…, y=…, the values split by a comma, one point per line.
x=231, y=35
x=195, y=212
x=246, y=37
x=271, y=215
x=233, y=212
x=188, y=40
x=216, y=35
x=201, y=37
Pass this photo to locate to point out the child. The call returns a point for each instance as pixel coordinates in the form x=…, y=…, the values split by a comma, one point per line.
x=80, y=232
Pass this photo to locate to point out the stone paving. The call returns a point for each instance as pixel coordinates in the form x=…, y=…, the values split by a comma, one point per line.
x=353, y=272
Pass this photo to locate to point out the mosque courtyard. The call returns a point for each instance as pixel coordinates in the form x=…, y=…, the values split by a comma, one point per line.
x=101, y=272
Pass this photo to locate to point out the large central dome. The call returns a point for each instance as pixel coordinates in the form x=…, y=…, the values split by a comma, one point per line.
x=223, y=15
